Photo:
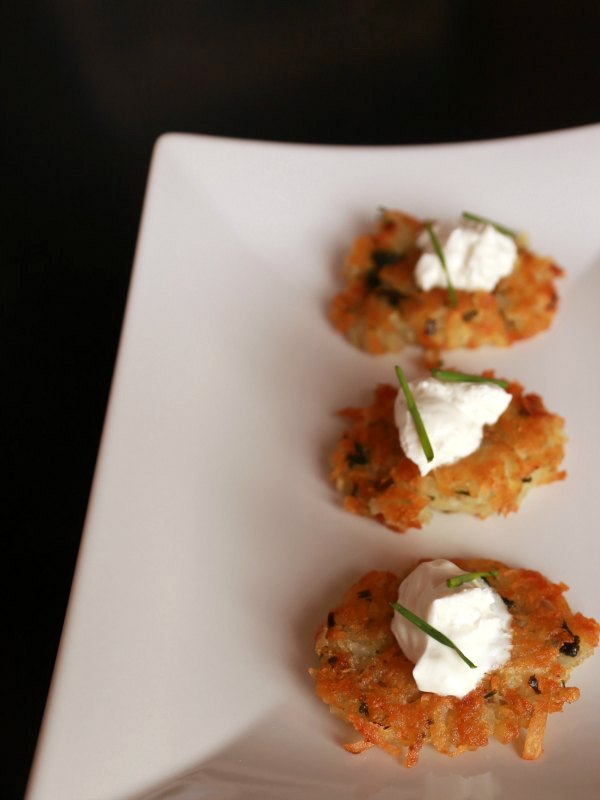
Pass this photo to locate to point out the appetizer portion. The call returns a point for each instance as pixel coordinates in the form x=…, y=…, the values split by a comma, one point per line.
x=443, y=285
x=452, y=443
x=494, y=658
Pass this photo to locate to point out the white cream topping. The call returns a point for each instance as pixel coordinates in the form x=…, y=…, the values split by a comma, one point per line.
x=453, y=415
x=477, y=256
x=473, y=616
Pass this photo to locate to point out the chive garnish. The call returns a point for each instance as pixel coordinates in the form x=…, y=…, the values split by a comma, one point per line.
x=440, y=254
x=465, y=377
x=466, y=577
x=485, y=221
x=430, y=631
x=414, y=412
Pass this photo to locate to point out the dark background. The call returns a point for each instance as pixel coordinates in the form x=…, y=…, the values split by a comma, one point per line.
x=86, y=88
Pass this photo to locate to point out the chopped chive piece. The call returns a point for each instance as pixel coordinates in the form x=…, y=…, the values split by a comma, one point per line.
x=440, y=254
x=358, y=457
x=466, y=577
x=500, y=228
x=430, y=631
x=414, y=412
x=393, y=296
x=381, y=258
x=465, y=377
x=570, y=648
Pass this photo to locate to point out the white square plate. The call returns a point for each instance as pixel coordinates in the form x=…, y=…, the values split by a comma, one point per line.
x=214, y=544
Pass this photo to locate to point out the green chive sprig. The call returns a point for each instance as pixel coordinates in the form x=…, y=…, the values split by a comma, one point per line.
x=485, y=221
x=450, y=375
x=467, y=577
x=414, y=412
x=435, y=242
x=431, y=631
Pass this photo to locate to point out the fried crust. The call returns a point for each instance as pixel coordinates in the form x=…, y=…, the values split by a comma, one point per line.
x=366, y=680
x=382, y=309
x=524, y=448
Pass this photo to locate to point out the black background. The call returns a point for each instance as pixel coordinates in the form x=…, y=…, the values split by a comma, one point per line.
x=86, y=88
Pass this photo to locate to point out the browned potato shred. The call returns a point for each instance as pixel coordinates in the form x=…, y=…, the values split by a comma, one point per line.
x=524, y=448
x=366, y=680
x=382, y=309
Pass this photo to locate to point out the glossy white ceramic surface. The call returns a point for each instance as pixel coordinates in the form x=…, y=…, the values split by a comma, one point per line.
x=214, y=544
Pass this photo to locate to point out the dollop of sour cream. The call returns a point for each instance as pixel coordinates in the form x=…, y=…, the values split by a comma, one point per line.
x=453, y=415
x=477, y=256
x=473, y=616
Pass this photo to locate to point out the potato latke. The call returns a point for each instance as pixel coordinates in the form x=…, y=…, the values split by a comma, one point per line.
x=366, y=680
x=382, y=309
x=524, y=448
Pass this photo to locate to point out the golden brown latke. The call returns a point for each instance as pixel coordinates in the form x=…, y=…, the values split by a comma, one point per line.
x=382, y=309
x=366, y=680
x=524, y=448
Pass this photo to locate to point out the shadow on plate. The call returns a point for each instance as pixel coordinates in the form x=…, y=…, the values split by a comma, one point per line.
x=280, y=758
